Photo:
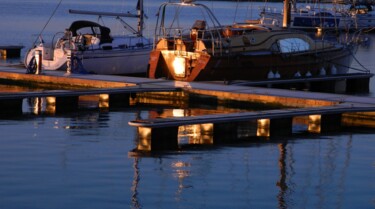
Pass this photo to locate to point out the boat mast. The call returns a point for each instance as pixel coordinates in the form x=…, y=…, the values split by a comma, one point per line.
x=286, y=14
x=140, y=17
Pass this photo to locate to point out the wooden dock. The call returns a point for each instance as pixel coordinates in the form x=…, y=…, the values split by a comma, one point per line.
x=339, y=83
x=162, y=133
x=68, y=100
x=11, y=51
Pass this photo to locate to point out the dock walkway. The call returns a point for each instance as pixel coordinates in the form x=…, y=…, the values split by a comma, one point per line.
x=246, y=116
x=163, y=131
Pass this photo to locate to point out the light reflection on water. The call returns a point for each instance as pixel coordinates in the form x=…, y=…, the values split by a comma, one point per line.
x=80, y=159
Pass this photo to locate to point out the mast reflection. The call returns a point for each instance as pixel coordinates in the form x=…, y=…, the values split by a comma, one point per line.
x=134, y=188
x=285, y=183
x=181, y=172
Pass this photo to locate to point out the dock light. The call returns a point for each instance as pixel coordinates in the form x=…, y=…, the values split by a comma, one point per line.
x=178, y=112
x=263, y=127
x=314, y=123
x=51, y=100
x=50, y=105
x=179, y=66
x=104, y=101
x=144, y=143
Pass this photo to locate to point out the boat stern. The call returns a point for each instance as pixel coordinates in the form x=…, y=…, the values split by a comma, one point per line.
x=178, y=60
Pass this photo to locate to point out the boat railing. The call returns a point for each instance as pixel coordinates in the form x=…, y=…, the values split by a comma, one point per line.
x=268, y=9
x=211, y=38
x=56, y=37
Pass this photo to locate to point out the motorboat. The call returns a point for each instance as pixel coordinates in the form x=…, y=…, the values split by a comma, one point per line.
x=364, y=16
x=309, y=17
x=89, y=47
x=205, y=50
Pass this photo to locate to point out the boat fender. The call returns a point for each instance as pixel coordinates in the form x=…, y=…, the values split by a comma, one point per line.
x=31, y=67
x=333, y=70
x=297, y=74
x=277, y=74
x=270, y=75
x=275, y=22
x=322, y=71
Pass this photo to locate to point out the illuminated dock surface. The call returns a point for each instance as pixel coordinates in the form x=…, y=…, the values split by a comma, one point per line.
x=100, y=84
x=245, y=116
x=161, y=133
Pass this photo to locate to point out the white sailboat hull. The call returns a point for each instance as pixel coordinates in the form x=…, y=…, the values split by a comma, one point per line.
x=105, y=62
x=114, y=62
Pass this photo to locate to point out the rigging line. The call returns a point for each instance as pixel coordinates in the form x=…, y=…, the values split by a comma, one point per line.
x=53, y=13
x=235, y=14
x=358, y=62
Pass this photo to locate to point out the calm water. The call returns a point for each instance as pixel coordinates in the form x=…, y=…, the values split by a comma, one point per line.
x=80, y=160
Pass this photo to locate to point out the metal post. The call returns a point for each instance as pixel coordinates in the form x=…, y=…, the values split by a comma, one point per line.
x=69, y=62
x=286, y=16
x=38, y=60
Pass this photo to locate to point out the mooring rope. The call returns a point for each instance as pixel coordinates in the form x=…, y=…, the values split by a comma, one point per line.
x=359, y=63
x=53, y=13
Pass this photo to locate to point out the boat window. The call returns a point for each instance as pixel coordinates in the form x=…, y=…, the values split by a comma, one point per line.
x=96, y=30
x=324, y=14
x=89, y=30
x=288, y=45
x=86, y=30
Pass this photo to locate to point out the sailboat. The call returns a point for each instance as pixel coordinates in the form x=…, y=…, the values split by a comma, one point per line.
x=205, y=50
x=310, y=16
x=88, y=47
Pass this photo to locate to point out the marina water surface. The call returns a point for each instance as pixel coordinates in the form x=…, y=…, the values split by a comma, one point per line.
x=81, y=159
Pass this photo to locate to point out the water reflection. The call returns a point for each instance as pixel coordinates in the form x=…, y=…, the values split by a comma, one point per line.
x=134, y=188
x=285, y=184
x=47, y=105
x=181, y=172
x=296, y=173
x=302, y=177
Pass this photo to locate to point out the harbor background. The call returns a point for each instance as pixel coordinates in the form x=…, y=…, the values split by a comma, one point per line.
x=80, y=160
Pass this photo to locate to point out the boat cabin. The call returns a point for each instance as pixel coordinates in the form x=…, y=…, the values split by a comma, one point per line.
x=90, y=33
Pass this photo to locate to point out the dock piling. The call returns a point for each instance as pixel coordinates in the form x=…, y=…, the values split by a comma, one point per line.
x=66, y=104
x=12, y=51
x=119, y=100
x=359, y=85
x=11, y=107
x=224, y=132
x=281, y=127
x=330, y=122
x=157, y=139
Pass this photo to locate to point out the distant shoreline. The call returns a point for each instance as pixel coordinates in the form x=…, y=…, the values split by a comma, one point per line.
x=371, y=2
